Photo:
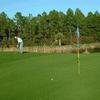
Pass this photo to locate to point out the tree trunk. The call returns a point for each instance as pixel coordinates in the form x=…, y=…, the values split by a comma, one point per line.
x=59, y=42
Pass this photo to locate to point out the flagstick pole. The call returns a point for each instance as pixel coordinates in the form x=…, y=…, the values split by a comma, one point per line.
x=78, y=55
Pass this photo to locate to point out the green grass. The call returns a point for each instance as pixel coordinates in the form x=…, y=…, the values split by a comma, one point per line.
x=28, y=77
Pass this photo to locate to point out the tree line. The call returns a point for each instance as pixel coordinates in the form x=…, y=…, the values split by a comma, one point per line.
x=53, y=28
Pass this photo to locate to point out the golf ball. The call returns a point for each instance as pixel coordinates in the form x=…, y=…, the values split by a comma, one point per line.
x=51, y=79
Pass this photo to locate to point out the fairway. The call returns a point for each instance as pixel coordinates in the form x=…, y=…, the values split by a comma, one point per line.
x=37, y=76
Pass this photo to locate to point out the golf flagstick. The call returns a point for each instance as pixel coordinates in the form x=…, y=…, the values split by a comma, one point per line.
x=78, y=50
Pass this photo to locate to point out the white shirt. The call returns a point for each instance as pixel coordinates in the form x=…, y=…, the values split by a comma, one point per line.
x=19, y=39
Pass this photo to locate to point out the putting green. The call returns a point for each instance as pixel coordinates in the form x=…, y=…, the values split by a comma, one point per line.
x=33, y=76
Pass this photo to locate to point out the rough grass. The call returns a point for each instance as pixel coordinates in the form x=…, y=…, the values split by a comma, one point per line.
x=28, y=77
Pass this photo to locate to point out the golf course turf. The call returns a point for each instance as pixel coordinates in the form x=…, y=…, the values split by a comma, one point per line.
x=38, y=76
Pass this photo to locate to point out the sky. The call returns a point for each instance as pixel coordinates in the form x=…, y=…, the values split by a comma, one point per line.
x=35, y=7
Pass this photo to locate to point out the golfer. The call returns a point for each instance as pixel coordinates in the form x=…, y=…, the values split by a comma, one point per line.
x=20, y=44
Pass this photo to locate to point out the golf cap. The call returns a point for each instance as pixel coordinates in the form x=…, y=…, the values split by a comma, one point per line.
x=15, y=37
